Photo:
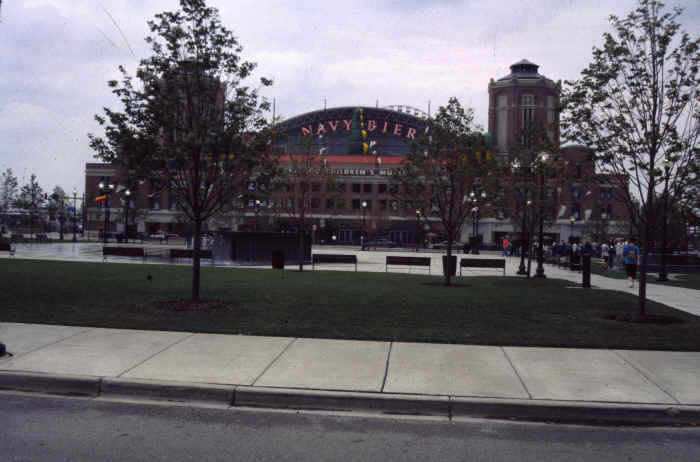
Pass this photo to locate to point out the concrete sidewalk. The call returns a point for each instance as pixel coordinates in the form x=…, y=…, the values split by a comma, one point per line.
x=389, y=377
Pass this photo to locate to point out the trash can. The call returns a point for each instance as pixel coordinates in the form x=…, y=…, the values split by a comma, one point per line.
x=277, y=259
x=450, y=266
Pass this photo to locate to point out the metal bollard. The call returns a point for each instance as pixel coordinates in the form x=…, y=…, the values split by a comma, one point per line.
x=586, y=270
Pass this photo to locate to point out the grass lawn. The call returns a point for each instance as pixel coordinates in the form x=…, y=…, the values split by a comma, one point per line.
x=687, y=280
x=333, y=304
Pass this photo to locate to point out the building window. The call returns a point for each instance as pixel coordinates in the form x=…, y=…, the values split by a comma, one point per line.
x=394, y=205
x=356, y=204
x=606, y=194
x=576, y=193
x=330, y=203
x=382, y=188
x=340, y=204
x=367, y=188
x=408, y=205
x=340, y=187
x=315, y=187
x=382, y=204
x=393, y=188
x=252, y=186
x=576, y=211
x=315, y=202
x=356, y=187
x=610, y=212
x=527, y=100
x=155, y=202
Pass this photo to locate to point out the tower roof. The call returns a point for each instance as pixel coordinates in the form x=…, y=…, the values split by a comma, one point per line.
x=523, y=69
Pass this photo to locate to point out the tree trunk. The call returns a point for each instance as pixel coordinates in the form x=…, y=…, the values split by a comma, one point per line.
x=643, y=271
x=195, y=259
x=301, y=252
x=448, y=270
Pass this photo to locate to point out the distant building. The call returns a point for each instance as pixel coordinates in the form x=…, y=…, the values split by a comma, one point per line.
x=364, y=201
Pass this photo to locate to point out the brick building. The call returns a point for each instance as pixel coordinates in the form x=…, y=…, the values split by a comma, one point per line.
x=363, y=201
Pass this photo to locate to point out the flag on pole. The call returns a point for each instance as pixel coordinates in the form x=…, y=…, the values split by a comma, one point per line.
x=101, y=198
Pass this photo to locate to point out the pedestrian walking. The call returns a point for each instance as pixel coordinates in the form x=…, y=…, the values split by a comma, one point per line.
x=631, y=257
x=605, y=255
x=505, y=245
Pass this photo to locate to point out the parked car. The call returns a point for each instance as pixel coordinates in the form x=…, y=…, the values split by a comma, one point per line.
x=381, y=243
x=443, y=245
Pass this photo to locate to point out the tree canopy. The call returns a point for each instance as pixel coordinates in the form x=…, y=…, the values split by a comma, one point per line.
x=636, y=106
x=190, y=125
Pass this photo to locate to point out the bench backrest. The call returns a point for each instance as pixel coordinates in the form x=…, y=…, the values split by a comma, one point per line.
x=189, y=253
x=410, y=261
x=482, y=263
x=123, y=251
x=333, y=258
x=4, y=246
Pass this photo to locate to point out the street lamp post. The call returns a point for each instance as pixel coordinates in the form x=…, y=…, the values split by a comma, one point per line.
x=476, y=242
x=61, y=218
x=541, y=162
x=127, y=193
x=364, y=227
x=603, y=224
x=75, y=206
x=572, y=220
x=523, y=239
x=257, y=210
x=106, y=190
x=417, y=224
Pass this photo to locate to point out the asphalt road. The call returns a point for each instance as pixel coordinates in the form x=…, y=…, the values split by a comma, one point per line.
x=42, y=428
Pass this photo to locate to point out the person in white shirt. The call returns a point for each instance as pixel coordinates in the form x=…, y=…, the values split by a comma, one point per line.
x=604, y=254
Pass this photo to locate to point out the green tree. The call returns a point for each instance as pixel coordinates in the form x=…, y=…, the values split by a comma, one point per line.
x=447, y=163
x=190, y=124
x=636, y=107
x=8, y=190
x=30, y=200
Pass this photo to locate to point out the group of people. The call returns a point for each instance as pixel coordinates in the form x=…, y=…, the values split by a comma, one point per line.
x=614, y=253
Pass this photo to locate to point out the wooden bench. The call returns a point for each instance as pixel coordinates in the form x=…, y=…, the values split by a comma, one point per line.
x=407, y=261
x=17, y=237
x=333, y=259
x=495, y=263
x=6, y=247
x=189, y=253
x=123, y=252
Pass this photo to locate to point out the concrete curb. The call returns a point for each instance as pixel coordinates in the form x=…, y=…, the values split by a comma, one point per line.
x=167, y=391
x=574, y=411
x=54, y=384
x=396, y=404
x=342, y=401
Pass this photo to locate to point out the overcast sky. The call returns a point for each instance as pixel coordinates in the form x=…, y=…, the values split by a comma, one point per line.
x=57, y=55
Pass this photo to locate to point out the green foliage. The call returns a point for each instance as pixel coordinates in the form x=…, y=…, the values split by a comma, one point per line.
x=190, y=124
x=447, y=163
x=8, y=190
x=637, y=106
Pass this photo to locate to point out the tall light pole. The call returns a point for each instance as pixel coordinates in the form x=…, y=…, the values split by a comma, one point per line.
x=364, y=227
x=257, y=210
x=127, y=193
x=417, y=224
x=541, y=163
x=476, y=241
x=572, y=220
x=106, y=190
x=75, y=207
x=524, y=238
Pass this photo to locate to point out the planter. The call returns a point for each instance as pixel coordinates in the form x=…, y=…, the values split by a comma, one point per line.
x=277, y=259
x=450, y=265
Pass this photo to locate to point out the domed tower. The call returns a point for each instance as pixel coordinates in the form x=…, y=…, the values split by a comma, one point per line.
x=519, y=99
